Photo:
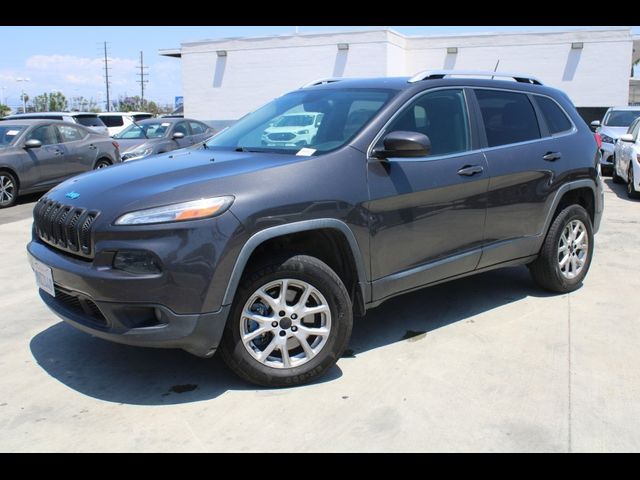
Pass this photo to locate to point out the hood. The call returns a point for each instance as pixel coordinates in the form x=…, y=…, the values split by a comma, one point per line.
x=173, y=177
x=613, y=132
x=132, y=144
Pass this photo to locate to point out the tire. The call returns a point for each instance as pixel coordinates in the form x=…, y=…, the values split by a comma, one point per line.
x=546, y=269
x=614, y=176
x=102, y=163
x=631, y=189
x=327, y=294
x=8, y=189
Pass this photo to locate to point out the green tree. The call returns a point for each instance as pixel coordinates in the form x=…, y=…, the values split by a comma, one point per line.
x=52, y=102
x=4, y=110
x=152, y=107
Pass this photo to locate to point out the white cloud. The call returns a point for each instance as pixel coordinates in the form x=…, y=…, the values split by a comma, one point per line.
x=75, y=76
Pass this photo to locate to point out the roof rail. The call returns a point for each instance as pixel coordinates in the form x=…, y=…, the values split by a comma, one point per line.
x=436, y=74
x=322, y=81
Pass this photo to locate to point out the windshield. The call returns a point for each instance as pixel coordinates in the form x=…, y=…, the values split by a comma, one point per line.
x=89, y=121
x=9, y=133
x=144, y=130
x=319, y=120
x=621, y=118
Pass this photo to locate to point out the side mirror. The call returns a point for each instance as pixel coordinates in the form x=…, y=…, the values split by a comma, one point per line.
x=178, y=135
x=627, y=137
x=404, y=144
x=33, y=143
x=595, y=123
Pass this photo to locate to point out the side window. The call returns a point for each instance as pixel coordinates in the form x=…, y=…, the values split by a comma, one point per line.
x=197, y=128
x=635, y=128
x=441, y=116
x=112, y=120
x=360, y=112
x=45, y=133
x=508, y=117
x=182, y=127
x=556, y=119
x=69, y=133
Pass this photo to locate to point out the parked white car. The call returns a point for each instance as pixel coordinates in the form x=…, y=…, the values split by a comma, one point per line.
x=614, y=124
x=293, y=129
x=626, y=161
x=118, y=121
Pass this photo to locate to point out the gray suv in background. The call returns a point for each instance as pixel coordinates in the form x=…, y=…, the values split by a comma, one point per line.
x=267, y=252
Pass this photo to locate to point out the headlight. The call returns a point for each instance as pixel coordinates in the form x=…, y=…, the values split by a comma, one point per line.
x=137, y=154
x=607, y=138
x=302, y=132
x=178, y=212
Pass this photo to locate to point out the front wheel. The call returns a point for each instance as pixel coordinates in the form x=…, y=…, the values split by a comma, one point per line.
x=8, y=190
x=566, y=253
x=631, y=187
x=290, y=322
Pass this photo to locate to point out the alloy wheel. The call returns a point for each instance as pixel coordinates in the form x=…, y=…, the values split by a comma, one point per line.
x=573, y=249
x=7, y=189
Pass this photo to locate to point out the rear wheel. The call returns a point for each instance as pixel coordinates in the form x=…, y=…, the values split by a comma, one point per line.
x=631, y=187
x=102, y=163
x=289, y=323
x=566, y=253
x=8, y=189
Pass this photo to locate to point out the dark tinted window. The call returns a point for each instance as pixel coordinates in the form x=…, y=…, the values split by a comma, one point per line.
x=112, y=120
x=181, y=127
x=508, y=117
x=142, y=116
x=45, y=133
x=442, y=116
x=197, y=128
x=70, y=134
x=90, y=121
x=621, y=118
x=556, y=119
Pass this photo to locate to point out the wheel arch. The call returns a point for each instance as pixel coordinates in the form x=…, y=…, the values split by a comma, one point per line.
x=353, y=276
x=5, y=168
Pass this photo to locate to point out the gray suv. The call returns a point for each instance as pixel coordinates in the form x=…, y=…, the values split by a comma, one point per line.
x=267, y=252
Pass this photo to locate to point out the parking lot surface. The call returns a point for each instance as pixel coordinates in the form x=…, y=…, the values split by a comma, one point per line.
x=486, y=363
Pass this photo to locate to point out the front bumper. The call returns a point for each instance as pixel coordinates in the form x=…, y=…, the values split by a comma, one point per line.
x=607, y=151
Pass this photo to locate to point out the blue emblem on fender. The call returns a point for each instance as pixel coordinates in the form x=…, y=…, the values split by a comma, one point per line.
x=72, y=195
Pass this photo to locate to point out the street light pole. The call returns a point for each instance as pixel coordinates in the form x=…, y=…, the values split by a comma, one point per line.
x=24, y=100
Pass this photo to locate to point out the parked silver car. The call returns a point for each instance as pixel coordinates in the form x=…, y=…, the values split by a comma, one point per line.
x=614, y=124
x=86, y=119
x=35, y=155
x=160, y=135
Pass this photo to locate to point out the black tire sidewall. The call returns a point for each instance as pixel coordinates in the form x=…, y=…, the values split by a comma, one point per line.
x=15, y=189
x=316, y=273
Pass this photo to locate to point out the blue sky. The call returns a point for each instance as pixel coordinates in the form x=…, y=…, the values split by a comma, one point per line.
x=70, y=59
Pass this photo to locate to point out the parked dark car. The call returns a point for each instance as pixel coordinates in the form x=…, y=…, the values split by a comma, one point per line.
x=86, y=119
x=35, y=155
x=267, y=252
x=149, y=137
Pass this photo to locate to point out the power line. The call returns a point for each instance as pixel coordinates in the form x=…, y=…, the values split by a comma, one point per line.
x=142, y=80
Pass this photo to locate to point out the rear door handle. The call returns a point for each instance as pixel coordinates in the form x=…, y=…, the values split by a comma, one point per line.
x=470, y=170
x=552, y=156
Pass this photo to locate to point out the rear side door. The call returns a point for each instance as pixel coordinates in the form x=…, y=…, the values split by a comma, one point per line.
x=80, y=151
x=427, y=214
x=50, y=159
x=525, y=161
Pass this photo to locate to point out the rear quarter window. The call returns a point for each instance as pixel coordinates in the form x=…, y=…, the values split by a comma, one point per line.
x=90, y=121
x=509, y=117
x=555, y=117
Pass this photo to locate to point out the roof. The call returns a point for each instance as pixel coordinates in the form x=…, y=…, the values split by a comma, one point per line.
x=101, y=114
x=40, y=114
x=632, y=108
x=27, y=121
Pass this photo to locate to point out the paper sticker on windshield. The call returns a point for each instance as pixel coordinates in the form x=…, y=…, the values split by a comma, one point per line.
x=165, y=124
x=13, y=132
x=306, y=152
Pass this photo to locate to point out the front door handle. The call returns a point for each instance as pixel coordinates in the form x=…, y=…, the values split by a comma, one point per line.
x=552, y=156
x=470, y=170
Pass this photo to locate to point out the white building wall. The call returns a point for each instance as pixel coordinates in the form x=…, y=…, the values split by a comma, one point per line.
x=255, y=70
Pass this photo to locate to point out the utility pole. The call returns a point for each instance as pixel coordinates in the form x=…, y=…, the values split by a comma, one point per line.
x=106, y=75
x=142, y=80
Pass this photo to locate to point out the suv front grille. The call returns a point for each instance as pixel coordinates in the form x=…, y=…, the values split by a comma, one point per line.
x=281, y=136
x=65, y=227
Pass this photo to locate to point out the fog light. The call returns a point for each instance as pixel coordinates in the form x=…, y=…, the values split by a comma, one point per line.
x=136, y=261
